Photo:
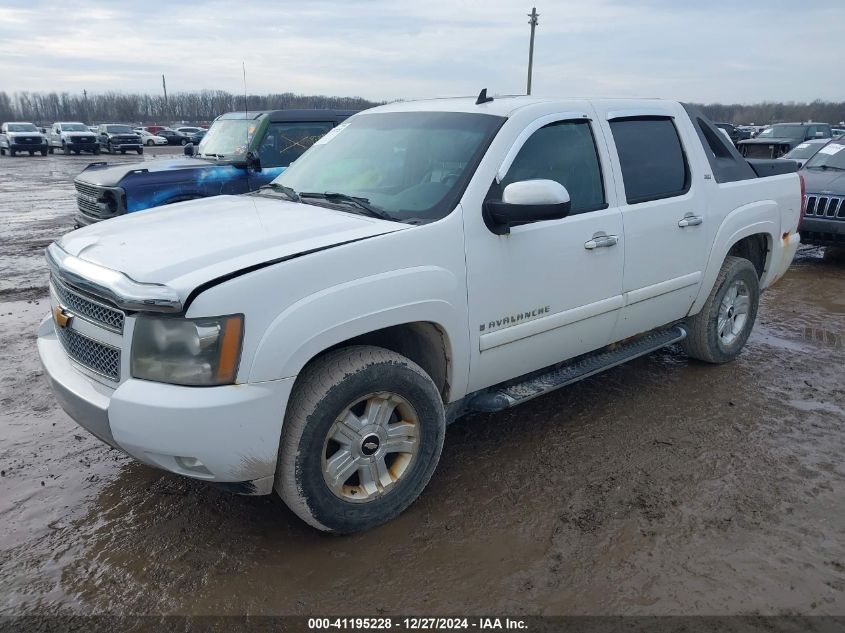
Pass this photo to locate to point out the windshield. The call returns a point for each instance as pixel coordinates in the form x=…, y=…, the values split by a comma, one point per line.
x=412, y=165
x=804, y=150
x=830, y=156
x=22, y=127
x=784, y=131
x=119, y=129
x=228, y=138
x=74, y=127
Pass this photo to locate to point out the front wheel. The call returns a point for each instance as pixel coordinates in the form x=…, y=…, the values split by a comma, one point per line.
x=719, y=331
x=140, y=150
x=183, y=142
x=43, y=152
x=361, y=438
x=96, y=150
x=65, y=149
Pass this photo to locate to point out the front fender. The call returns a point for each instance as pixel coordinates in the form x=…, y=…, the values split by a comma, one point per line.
x=336, y=314
x=749, y=219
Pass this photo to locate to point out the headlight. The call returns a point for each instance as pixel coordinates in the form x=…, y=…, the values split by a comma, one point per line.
x=193, y=352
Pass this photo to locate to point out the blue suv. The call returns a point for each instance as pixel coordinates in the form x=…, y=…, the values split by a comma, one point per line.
x=241, y=152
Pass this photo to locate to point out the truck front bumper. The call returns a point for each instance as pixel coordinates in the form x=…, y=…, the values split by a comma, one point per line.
x=226, y=435
x=823, y=231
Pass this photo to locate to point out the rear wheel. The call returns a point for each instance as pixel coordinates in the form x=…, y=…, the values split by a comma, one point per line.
x=50, y=149
x=123, y=151
x=719, y=331
x=150, y=142
x=362, y=435
x=97, y=150
x=43, y=152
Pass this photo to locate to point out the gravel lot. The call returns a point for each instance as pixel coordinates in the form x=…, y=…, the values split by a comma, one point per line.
x=661, y=487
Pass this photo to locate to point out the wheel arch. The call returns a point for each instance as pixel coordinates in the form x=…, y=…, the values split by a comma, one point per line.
x=744, y=229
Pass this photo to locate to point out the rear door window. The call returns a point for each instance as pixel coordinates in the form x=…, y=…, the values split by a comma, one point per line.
x=652, y=159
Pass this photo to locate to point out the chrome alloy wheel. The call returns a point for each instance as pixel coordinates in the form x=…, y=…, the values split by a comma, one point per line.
x=370, y=447
x=733, y=312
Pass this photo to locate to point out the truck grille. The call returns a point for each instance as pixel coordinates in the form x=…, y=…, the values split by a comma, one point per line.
x=27, y=140
x=91, y=201
x=99, y=358
x=85, y=189
x=831, y=207
x=109, y=318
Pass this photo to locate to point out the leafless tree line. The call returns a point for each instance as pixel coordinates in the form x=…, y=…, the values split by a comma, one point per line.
x=204, y=106
x=771, y=112
x=112, y=107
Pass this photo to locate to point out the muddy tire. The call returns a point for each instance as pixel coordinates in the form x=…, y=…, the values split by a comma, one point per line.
x=65, y=149
x=361, y=438
x=719, y=331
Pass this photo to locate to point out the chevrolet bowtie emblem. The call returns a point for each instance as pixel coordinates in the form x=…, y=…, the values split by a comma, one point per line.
x=61, y=318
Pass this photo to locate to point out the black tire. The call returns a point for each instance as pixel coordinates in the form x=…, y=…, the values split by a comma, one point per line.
x=43, y=152
x=703, y=340
x=76, y=151
x=110, y=149
x=322, y=392
x=2, y=151
x=150, y=142
x=11, y=152
x=65, y=149
x=140, y=150
x=96, y=150
x=50, y=149
x=183, y=142
x=123, y=151
x=31, y=153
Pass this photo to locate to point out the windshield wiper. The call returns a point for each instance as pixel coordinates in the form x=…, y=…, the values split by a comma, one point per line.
x=362, y=204
x=288, y=191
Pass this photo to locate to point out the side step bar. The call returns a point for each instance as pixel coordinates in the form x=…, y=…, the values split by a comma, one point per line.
x=511, y=394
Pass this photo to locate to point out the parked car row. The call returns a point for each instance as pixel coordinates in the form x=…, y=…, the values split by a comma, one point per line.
x=73, y=137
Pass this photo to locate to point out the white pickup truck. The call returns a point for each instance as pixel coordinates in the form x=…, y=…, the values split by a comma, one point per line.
x=420, y=261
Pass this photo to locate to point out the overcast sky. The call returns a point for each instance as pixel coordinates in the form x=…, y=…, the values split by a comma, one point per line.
x=731, y=52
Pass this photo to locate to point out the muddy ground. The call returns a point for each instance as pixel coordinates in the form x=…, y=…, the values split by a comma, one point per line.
x=662, y=487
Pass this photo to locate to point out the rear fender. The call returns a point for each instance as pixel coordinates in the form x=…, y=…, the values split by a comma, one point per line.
x=749, y=219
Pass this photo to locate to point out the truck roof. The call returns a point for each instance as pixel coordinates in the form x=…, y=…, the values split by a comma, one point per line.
x=280, y=116
x=507, y=105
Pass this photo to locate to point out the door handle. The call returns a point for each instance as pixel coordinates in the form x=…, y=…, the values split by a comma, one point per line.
x=690, y=220
x=601, y=241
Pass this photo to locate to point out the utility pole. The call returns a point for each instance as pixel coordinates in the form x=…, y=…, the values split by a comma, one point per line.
x=533, y=22
x=164, y=85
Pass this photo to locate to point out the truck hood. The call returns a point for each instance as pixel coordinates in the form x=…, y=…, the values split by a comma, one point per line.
x=186, y=244
x=824, y=181
x=107, y=175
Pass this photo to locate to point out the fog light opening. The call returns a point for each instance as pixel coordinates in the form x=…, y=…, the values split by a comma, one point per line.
x=192, y=464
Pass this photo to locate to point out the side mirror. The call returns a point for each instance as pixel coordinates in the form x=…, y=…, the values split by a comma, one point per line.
x=525, y=202
x=253, y=161
x=189, y=149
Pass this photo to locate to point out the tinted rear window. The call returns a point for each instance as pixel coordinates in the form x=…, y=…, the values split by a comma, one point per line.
x=651, y=157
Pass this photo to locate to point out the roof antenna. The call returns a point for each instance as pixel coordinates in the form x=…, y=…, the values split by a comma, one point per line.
x=482, y=97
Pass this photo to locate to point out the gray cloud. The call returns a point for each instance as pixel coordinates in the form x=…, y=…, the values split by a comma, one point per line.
x=388, y=49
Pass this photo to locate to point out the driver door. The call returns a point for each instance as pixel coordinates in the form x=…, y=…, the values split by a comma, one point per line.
x=549, y=290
